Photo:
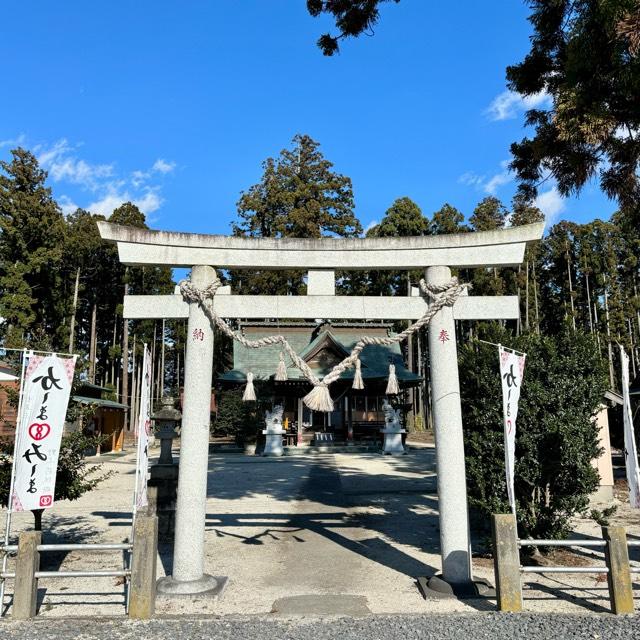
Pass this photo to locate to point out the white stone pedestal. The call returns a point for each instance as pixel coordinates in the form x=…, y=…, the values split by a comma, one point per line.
x=393, y=442
x=273, y=444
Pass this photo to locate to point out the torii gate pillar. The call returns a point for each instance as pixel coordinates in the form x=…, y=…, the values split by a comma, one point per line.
x=455, y=543
x=188, y=558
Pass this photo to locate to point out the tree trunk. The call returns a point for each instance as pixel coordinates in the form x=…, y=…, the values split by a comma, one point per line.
x=633, y=349
x=586, y=280
x=412, y=391
x=635, y=291
x=518, y=321
x=72, y=322
x=92, y=344
x=125, y=364
x=113, y=348
x=535, y=298
x=595, y=319
x=609, y=347
x=573, y=310
x=526, y=296
x=178, y=370
x=161, y=394
x=153, y=363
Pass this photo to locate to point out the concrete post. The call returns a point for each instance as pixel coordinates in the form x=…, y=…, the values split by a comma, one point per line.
x=25, y=595
x=619, y=576
x=142, y=600
x=188, y=564
x=506, y=562
x=455, y=545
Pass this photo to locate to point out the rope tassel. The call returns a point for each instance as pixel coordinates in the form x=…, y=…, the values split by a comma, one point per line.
x=319, y=399
x=392, y=385
x=281, y=371
x=249, y=394
x=357, y=377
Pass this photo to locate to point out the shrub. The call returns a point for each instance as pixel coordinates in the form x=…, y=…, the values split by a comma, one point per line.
x=237, y=418
x=563, y=386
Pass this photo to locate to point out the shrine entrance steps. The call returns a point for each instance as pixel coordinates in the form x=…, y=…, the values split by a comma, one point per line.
x=332, y=448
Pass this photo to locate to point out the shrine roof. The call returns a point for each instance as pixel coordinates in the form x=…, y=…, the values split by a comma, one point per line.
x=312, y=342
x=100, y=402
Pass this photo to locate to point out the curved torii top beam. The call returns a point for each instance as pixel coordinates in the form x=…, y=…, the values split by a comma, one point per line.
x=503, y=247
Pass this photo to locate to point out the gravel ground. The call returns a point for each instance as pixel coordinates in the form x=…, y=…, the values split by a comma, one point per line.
x=337, y=535
x=470, y=626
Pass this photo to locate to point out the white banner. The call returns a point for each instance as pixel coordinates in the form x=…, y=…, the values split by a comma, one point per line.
x=630, y=449
x=143, y=429
x=511, y=372
x=45, y=397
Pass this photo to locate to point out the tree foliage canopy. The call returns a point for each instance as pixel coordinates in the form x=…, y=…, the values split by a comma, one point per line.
x=31, y=246
x=299, y=196
x=584, y=55
x=352, y=18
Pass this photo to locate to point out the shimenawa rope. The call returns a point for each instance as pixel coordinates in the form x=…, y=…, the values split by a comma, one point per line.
x=319, y=398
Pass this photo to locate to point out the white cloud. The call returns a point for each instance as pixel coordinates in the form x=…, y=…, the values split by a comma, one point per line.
x=67, y=205
x=13, y=142
x=48, y=155
x=499, y=179
x=80, y=172
x=370, y=226
x=508, y=104
x=471, y=179
x=162, y=166
x=490, y=185
x=551, y=203
x=147, y=202
x=110, y=188
x=60, y=161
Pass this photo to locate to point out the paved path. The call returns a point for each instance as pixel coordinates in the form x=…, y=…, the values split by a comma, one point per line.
x=432, y=627
x=316, y=535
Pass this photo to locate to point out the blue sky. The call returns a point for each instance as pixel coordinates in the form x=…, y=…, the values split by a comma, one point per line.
x=174, y=105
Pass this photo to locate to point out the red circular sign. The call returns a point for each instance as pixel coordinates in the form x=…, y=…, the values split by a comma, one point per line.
x=39, y=431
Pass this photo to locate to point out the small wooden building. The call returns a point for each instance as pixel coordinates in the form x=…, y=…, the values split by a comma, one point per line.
x=357, y=414
x=108, y=416
x=9, y=385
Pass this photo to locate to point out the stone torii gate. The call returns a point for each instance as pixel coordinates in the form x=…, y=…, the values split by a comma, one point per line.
x=321, y=257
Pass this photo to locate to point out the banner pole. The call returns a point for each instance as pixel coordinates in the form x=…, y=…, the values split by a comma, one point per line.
x=630, y=447
x=7, y=526
x=501, y=346
x=137, y=431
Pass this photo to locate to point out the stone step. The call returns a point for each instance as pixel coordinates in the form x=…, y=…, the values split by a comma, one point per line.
x=330, y=448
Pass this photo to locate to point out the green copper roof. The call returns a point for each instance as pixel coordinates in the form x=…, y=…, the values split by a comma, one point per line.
x=101, y=402
x=337, y=341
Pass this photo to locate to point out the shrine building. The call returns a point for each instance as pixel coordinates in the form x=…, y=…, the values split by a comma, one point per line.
x=358, y=413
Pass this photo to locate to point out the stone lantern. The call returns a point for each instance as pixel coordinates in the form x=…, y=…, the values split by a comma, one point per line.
x=163, y=482
x=166, y=421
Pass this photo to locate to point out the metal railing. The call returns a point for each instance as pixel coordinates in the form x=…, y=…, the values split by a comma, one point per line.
x=138, y=568
x=562, y=543
x=125, y=572
x=509, y=570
